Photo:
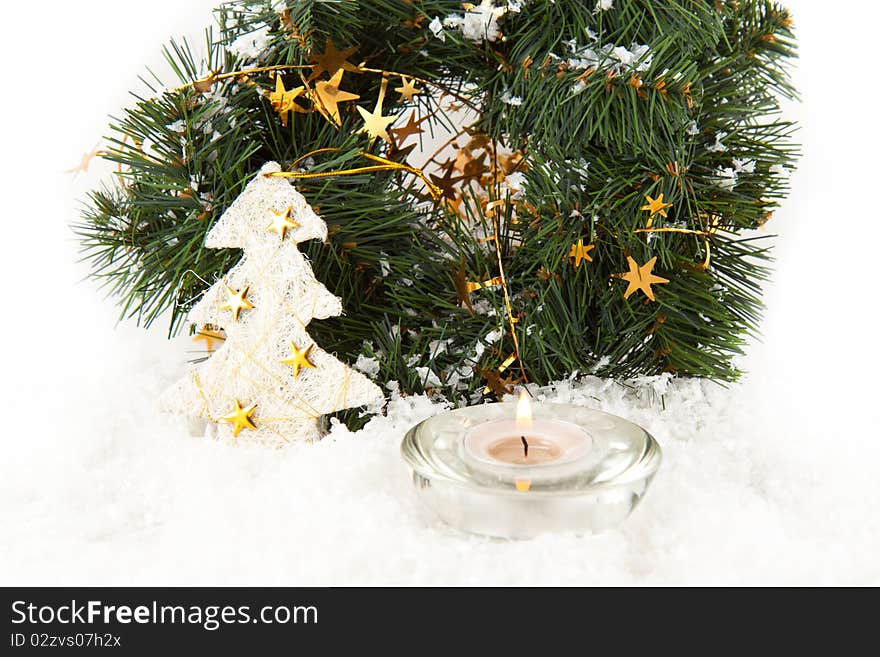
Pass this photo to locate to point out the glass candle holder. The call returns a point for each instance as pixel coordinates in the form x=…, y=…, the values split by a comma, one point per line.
x=567, y=468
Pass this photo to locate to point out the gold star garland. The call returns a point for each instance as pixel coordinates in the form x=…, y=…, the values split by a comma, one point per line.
x=326, y=94
x=641, y=278
x=580, y=252
x=494, y=378
x=714, y=227
x=408, y=89
x=283, y=101
x=494, y=208
x=376, y=125
x=326, y=97
x=382, y=164
x=332, y=60
x=655, y=206
x=412, y=127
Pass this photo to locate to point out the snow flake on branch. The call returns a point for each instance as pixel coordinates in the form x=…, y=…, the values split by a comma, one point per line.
x=718, y=146
x=436, y=28
x=516, y=101
x=743, y=165
x=637, y=58
x=479, y=22
x=367, y=365
x=728, y=177
x=251, y=45
x=779, y=170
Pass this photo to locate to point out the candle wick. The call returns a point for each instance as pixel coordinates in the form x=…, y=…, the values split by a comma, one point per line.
x=525, y=446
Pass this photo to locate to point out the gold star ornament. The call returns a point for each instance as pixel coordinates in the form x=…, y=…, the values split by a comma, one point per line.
x=283, y=101
x=329, y=95
x=85, y=161
x=446, y=184
x=332, y=60
x=580, y=252
x=240, y=418
x=299, y=359
x=236, y=302
x=411, y=128
x=282, y=223
x=462, y=288
x=641, y=278
x=376, y=125
x=497, y=383
x=407, y=89
x=655, y=206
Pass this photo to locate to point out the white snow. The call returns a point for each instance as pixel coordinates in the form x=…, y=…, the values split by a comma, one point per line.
x=250, y=46
x=436, y=28
x=103, y=490
x=718, y=146
x=636, y=58
x=478, y=23
x=367, y=365
x=726, y=177
x=515, y=101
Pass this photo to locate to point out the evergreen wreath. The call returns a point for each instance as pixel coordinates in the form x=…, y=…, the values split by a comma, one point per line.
x=594, y=211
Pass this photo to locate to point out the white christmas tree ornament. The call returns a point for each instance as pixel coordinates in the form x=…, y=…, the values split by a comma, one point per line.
x=269, y=381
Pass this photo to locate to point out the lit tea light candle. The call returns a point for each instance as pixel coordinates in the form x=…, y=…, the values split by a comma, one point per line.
x=521, y=447
x=519, y=470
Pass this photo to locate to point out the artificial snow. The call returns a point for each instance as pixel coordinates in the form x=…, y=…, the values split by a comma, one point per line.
x=718, y=146
x=436, y=28
x=479, y=22
x=515, y=101
x=252, y=45
x=637, y=58
x=367, y=365
x=726, y=178
x=103, y=490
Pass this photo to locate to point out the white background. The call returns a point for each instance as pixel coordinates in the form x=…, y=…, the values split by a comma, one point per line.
x=68, y=65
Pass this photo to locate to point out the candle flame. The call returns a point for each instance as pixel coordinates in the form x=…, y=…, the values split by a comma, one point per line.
x=524, y=411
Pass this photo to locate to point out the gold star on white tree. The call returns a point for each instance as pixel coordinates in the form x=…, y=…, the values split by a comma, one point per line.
x=641, y=278
x=407, y=89
x=282, y=222
x=240, y=418
x=286, y=296
x=299, y=359
x=236, y=302
x=375, y=124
